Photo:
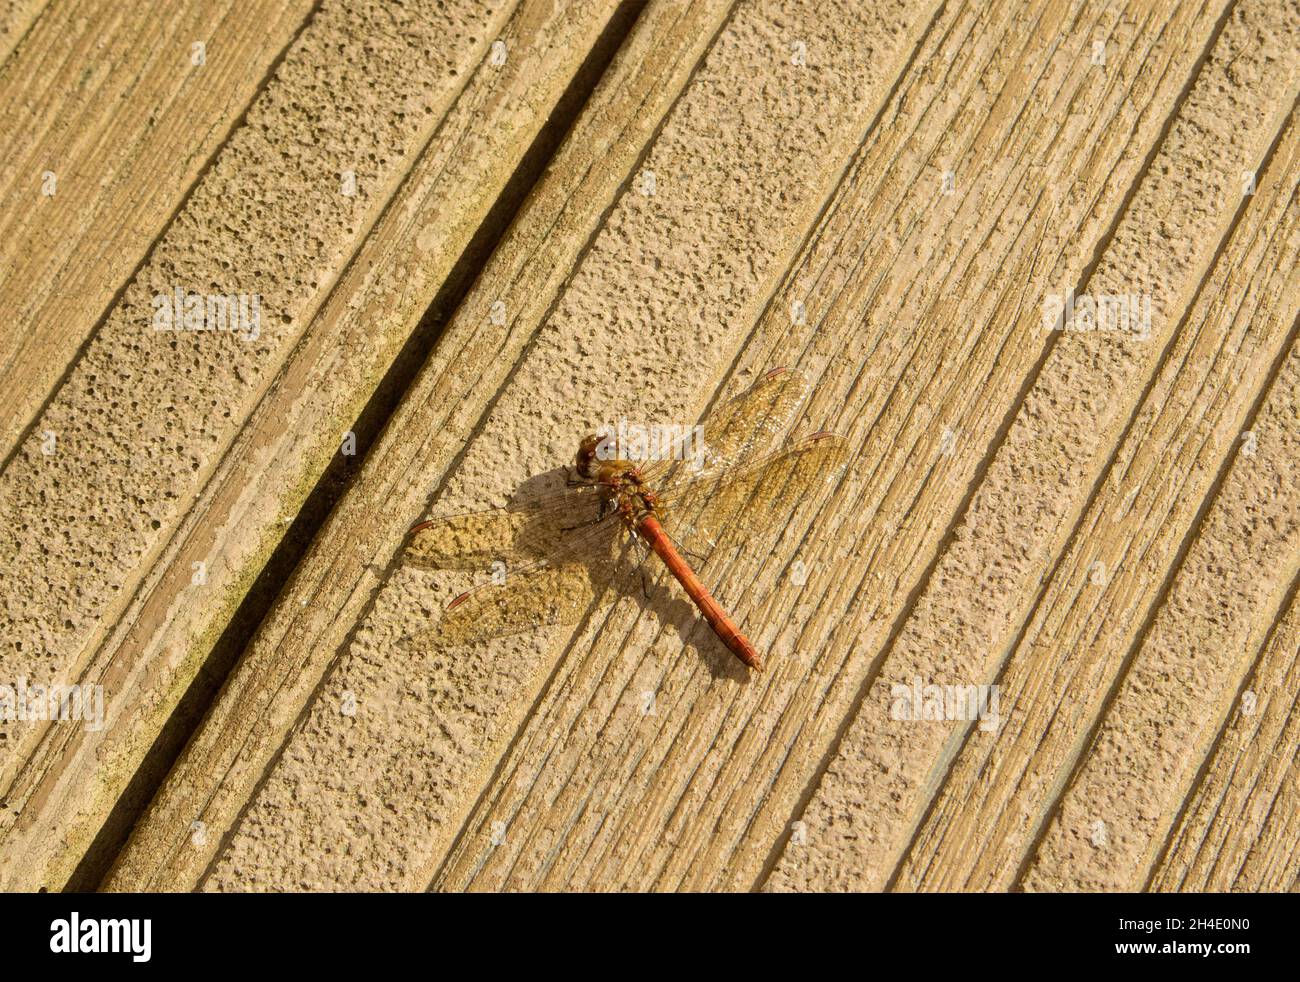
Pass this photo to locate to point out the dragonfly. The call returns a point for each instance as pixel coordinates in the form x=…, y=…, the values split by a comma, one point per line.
x=561, y=556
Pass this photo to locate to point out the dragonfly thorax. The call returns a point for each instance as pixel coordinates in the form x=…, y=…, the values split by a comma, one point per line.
x=622, y=486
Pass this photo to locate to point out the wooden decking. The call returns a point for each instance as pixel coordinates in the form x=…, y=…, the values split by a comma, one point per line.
x=478, y=229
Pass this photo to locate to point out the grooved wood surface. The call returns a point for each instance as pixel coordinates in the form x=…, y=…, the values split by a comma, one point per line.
x=110, y=115
x=478, y=230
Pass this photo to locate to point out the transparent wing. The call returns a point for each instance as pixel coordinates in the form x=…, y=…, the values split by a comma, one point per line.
x=582, y=572
x=517, y=533
x=748, y=425
x=753, y=498
x=740, y=428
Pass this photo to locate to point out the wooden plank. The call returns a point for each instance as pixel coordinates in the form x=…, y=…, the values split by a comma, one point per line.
x=1110, y=578
x=16, y=19
x=148, y=482
x=332, y=589
x=1241, y=828
x=1186, y=676
x=105, y=97
x=438, y=720
x=875, y=791
x=696, y=795
x=879, y=198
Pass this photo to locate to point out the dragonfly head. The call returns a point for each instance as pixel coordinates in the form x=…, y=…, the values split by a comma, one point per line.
x=587, y=462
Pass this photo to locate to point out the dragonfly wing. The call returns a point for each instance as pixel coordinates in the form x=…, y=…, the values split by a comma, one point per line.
x=755, y=498
x=538, y=594
x=542, y=597
x=476, y=540
x=743, y=427
x=749, y=424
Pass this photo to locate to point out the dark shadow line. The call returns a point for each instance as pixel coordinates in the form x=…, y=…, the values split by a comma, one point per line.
x=25, y=433
x=1189, y=537
x=1288, y=600
x=339, y=475
x=995, y=443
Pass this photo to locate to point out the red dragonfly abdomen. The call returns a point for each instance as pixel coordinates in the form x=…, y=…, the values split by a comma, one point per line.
x=723, y=626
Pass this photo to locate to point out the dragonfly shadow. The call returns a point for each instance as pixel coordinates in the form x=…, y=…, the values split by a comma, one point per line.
x=562, y=559
x=663, y=600
x=540, y=486
x=655, y=591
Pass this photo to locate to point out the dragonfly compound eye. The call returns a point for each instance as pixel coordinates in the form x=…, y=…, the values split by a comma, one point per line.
x=585, y=461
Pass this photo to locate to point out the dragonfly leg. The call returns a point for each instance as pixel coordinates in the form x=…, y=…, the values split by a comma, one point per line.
x=686, y=552
x=576, y=480
x=600, y=517
x=645, y=579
